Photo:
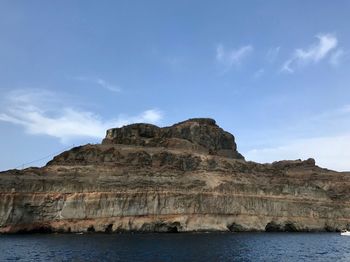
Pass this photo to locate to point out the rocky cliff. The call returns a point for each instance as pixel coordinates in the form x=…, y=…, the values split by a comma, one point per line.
x=187, y=177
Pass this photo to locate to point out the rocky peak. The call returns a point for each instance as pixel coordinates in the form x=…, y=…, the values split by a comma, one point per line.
x=310, y=162
x=196, y=134
x=200, y=121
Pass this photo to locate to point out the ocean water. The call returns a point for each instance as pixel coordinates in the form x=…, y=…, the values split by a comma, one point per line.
x=176, y=247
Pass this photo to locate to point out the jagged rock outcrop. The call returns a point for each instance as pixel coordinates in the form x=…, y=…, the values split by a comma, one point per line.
x=187, y=177
x=197, y=134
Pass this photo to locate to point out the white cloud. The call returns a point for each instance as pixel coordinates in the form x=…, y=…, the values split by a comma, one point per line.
x=100, y=82
x=345, y=109
x=151, y=116
x=30, y=110
x=108, y=86
x=233, y=57
x=272, y=54
x=174, y=61
x=333, y=116
x=328, y=143
x=259, y=73
x=336, y=57
x=330, y=152
x=313, y=54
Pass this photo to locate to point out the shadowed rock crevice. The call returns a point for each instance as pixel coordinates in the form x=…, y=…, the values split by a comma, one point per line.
x=91, y=229
x=172, y=227
x=281, y=227
x=290, y=227
x=273, y=227
x=234, y=227
x=109, y=228
x=36, y=230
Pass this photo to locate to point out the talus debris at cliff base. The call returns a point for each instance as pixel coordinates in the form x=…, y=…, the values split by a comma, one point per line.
x=186, y=177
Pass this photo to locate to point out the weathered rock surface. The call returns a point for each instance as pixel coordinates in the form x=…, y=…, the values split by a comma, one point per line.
x=197, y=134
x=187, y=177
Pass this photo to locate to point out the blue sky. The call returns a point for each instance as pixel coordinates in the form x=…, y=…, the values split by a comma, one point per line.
x=274, y=73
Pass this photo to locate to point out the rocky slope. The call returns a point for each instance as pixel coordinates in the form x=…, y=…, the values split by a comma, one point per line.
x=187, y=177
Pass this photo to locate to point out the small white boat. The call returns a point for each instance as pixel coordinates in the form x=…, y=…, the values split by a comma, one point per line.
x=345, y=233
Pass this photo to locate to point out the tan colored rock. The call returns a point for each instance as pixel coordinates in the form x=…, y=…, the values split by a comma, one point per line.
x=173, y=179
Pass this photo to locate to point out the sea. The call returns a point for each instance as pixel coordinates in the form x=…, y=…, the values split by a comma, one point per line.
x=176, y=247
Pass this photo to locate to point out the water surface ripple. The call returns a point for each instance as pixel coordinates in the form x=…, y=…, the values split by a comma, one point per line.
x=176, y=247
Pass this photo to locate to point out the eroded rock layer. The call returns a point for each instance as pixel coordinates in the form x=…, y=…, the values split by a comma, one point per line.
x=187, y=177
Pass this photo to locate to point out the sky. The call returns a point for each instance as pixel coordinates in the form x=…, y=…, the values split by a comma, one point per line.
x=273, y=73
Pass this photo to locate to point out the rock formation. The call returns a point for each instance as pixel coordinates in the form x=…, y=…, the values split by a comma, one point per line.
x=186, y=177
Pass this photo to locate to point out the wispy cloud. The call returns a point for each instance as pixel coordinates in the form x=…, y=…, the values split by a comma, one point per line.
x=30, y=110
x=232, y=57
x=312, y=55
x=330, y=152
x=99, y=82
x=259, y=73
x=337, y=57
x=329, y=147
x=272, y=54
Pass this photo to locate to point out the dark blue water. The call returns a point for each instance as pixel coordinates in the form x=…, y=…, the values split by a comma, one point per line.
x=176, y=247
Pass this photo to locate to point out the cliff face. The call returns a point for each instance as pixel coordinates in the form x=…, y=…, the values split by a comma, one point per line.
x=200, y=135
x=187, y=177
